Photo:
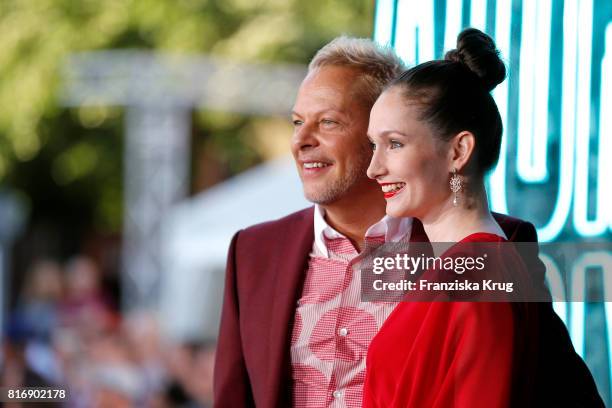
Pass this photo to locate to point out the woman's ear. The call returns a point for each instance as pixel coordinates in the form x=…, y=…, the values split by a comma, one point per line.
x=461, y=150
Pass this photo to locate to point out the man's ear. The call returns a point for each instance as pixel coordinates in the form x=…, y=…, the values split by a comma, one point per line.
x=461, y=150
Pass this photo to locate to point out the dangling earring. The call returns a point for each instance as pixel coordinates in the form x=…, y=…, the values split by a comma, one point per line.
x=455, y=185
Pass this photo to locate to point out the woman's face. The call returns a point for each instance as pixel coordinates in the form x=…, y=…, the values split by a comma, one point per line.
x=410, y=164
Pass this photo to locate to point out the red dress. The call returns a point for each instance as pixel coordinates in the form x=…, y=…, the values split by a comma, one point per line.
x=450, y=354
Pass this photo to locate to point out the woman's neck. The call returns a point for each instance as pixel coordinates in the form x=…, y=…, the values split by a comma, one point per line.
x=447, y=223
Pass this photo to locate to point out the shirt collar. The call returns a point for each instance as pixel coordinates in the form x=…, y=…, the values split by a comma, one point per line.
x=393, y=229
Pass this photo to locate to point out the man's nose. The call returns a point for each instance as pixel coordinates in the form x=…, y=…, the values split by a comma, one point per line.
x=304, y=137
x=376, y=168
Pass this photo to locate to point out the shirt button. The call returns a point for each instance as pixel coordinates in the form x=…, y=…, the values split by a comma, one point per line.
x=337, y=394
x=343, y=331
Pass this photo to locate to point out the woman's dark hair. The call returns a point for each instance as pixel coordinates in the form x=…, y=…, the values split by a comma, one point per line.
x=453, y=94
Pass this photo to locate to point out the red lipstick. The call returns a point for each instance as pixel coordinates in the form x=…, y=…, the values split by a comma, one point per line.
x=390, y=194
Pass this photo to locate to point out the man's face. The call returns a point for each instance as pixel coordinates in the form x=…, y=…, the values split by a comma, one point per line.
x=329, y=141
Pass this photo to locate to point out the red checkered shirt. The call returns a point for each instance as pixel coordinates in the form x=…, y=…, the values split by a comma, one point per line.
x=333, y=327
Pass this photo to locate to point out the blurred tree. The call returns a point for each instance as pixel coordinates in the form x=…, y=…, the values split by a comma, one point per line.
x=67, y=164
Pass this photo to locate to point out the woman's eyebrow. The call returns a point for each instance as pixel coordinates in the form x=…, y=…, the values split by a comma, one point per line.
x=389, y=132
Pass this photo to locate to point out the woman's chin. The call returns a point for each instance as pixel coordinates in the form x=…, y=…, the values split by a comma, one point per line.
x=399, y=211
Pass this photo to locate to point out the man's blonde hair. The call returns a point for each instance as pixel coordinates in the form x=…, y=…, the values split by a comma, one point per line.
x=378, y=65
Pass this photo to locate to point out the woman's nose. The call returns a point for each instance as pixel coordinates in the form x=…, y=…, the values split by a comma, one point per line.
x=376, y=168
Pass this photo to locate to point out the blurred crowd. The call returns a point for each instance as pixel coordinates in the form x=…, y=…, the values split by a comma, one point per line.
x=65, y=332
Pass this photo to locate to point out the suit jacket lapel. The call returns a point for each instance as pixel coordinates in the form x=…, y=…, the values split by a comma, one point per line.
x=292, y=261
x=417, y=234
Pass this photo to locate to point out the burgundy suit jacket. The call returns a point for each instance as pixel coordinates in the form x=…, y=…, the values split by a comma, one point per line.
x=265, y=273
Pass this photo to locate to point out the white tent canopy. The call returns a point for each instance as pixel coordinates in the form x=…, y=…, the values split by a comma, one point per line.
x=197, y=235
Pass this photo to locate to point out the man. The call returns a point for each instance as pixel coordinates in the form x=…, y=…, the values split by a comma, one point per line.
x=294, y=331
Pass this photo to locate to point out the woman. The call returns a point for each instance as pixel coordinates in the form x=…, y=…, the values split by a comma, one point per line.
x=435, y=132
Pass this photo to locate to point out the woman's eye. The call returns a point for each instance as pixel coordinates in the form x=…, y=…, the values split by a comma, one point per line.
x=329, y=122
x=372, y=145
x=395, y=144
x=297, y=122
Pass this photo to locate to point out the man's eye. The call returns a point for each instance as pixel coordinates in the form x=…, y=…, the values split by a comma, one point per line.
x=297, y=122
x=395, y=144
x=329, y=122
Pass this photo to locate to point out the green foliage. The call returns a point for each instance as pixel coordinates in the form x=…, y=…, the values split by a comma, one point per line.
x=36, y=36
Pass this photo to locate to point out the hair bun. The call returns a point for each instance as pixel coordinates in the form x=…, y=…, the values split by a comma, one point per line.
x=477, y=51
